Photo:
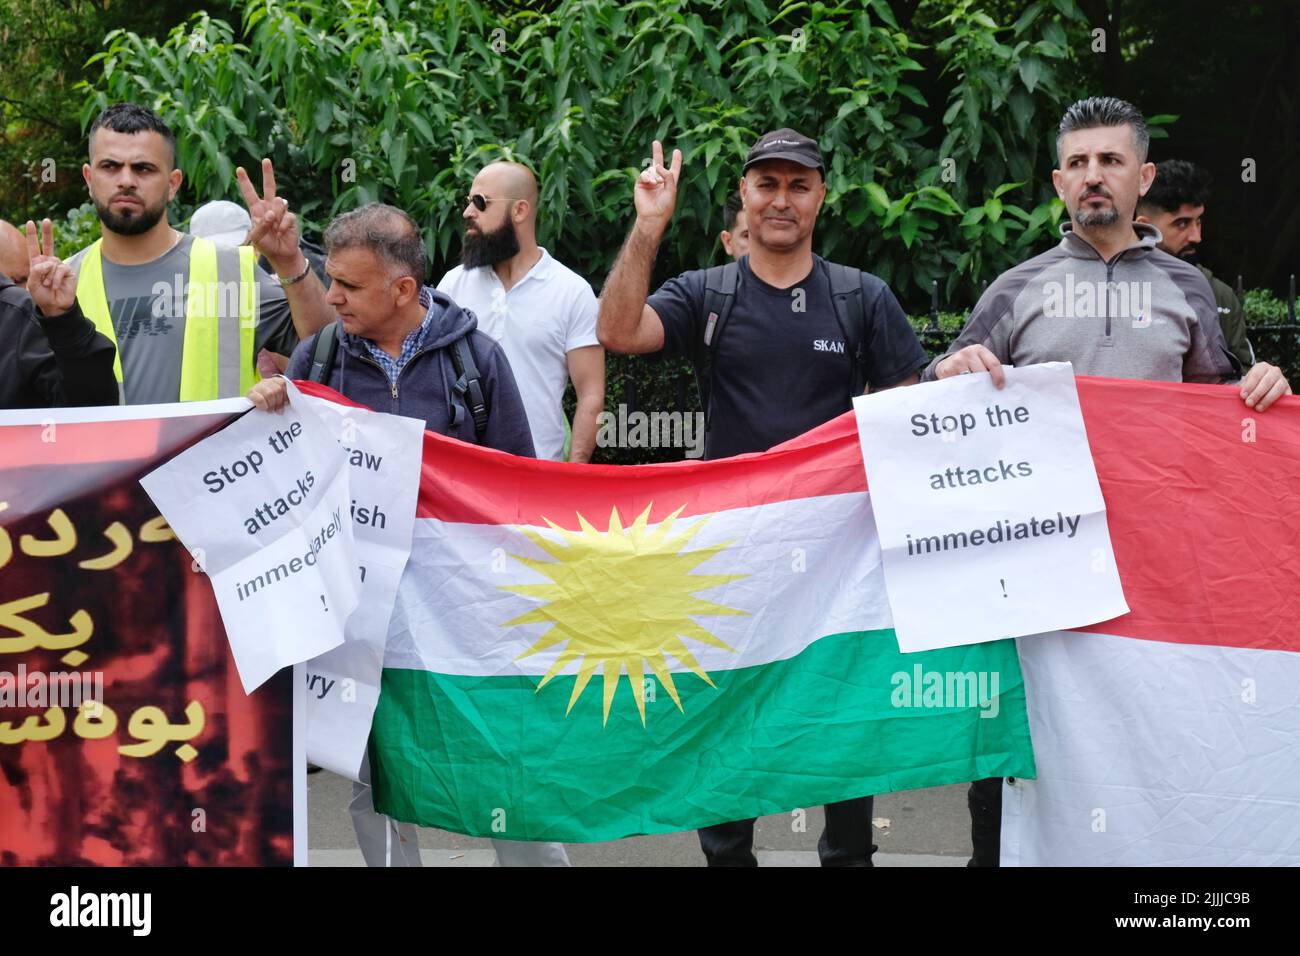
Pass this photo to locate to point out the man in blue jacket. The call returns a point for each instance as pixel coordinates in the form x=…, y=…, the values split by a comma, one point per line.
x=402, y=347
x=397, y=340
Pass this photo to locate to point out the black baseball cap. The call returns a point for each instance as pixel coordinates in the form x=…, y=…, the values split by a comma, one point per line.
x=786, y=144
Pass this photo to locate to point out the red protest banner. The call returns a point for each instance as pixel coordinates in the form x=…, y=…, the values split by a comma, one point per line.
x=125, y=734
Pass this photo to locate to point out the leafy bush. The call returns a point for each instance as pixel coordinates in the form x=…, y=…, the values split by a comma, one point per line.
x=948, y=324
x=1262, y=307
x=78, y=229
x=44, y=48
x=1275, y=339
x=934, y=129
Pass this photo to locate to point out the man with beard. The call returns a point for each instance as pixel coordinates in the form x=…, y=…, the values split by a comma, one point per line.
x=53, y=356
x=1175, y=204
x=542, y=313
x=1024, y=317
x=187, y=318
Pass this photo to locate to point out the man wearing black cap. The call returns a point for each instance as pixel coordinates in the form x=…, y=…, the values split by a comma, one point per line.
x=774, y=353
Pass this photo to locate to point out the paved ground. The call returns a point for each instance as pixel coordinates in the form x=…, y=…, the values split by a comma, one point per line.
x=913, y=828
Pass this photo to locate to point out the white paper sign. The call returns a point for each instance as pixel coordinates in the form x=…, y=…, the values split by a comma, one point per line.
x=384, y=454
x=986, y=501
x=264, y=507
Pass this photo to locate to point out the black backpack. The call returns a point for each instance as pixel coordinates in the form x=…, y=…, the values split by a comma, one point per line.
x=720, y=297
x=469, y=397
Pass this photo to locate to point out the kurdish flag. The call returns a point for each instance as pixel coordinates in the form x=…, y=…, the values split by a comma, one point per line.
x=1169, y=736
x=582, y=654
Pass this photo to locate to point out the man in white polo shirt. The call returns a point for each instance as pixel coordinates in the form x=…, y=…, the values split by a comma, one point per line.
x=544, y=316
x=542, y=313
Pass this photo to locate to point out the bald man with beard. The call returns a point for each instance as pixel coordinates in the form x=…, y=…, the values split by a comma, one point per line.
x=50, y=354
x=542, y=313
x=544, y=316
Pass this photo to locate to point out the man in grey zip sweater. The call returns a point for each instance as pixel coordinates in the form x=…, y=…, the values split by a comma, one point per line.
x=1105, y=299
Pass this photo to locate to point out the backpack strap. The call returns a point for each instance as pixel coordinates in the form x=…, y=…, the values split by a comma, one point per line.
x=322, y=356
x=719, y=298
x=851, y=313
x=468, y=387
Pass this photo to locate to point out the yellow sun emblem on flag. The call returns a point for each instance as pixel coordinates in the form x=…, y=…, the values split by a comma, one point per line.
x=620, y=600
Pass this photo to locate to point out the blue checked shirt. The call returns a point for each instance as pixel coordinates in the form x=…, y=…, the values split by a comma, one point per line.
x=410, y=345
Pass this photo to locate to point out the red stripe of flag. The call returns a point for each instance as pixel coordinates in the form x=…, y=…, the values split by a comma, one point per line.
x=1205, y=522
x=474, y=485
x=466, y=483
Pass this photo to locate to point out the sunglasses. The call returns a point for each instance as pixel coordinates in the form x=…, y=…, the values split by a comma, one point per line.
x=481, y=202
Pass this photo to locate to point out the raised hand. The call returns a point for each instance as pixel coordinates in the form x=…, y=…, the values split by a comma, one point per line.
x=656, y=188
x=51, y=282
x=275, y=228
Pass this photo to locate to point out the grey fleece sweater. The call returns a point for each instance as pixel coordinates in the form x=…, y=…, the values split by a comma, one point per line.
x=1144, y=314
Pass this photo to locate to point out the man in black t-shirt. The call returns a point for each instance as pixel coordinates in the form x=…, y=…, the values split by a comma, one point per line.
x=780, y=366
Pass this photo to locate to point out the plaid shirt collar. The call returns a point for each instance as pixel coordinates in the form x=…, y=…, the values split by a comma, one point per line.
x=413, y=342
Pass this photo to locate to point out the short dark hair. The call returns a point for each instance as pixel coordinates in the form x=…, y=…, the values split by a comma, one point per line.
x=386, y=231
x=1105, y=111
x=734, y=207
x=1178, y=183
x=132, y=118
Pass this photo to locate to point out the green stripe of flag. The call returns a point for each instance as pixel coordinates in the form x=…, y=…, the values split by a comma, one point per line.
x=475, y=754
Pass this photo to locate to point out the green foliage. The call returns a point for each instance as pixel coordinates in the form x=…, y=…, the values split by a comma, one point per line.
x=78, y=229
x=948, y=325
x=1262, y=307
x=1275, y=338
x=933, y=129
x=44, y=48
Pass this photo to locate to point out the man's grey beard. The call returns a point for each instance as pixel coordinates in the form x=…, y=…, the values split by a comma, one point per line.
x=1103, y=217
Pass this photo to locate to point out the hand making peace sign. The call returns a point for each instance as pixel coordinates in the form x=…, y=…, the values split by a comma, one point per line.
x=656, y=187
x=275, y=230
x=51, y=282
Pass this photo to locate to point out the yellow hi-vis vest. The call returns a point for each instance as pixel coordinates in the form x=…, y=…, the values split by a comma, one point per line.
x=217, y=359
